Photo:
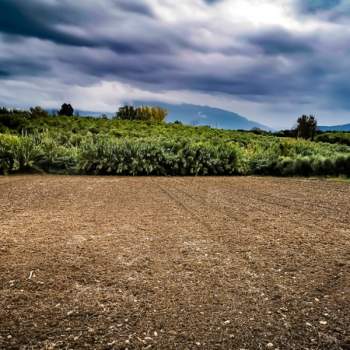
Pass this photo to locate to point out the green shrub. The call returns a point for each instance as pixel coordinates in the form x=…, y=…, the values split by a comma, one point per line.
x=79, y=145
x=18, y=153
x=334, y=137
x=157, y=157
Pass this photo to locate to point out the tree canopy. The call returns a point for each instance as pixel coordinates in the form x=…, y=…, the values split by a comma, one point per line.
x=145, y=113
x=66, y=109
x=307, y=127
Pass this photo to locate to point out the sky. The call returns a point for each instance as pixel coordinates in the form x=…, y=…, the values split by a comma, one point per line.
x=269, y=60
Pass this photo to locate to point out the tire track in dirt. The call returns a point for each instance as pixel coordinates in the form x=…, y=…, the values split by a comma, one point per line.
x=264, y=199
x=222, y=208
x=225, y=204
x=192, y=212
x=242, y=258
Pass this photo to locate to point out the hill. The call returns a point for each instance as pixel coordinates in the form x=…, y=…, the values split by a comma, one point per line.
x=196, y=115
x=204, y=115
x=344, y=127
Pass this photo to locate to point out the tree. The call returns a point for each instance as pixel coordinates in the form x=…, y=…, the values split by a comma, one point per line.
x=146, y=113
x=307, y=127
x=158, y=114
x=4, y=110
x=66, y=109
x=126, y=113
x=37, y=111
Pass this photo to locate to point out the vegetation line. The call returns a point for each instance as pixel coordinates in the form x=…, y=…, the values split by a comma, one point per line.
x=138, y=142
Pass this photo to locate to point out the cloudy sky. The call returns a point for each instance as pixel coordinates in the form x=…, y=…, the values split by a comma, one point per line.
x=270, y=60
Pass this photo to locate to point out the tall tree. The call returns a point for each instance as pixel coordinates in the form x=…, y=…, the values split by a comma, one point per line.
x=307, y=126
x=127, y=113
x=66, y=109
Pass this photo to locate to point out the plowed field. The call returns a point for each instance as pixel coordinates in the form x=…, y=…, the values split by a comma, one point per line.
x=174, y=263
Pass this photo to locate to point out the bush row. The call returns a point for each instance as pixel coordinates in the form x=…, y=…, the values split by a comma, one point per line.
x=334, y=137
x=118, y=157
x=305, y=166
x=177, y=156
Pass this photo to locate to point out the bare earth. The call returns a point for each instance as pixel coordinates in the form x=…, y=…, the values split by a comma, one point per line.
x=174, y=263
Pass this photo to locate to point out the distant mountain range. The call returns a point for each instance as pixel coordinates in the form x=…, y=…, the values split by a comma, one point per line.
x=203, y=115
x=344, y=127
x=195, y=115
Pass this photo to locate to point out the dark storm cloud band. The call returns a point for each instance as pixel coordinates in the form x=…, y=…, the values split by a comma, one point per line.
x=31, y=19
x=39, y=20
x=128, y=41
x=279, y=41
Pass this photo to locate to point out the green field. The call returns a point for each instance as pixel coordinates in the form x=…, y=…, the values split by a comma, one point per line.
x=82, y=145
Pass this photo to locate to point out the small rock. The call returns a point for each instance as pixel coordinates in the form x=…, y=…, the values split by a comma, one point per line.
x=269, y=345
x=323, y=323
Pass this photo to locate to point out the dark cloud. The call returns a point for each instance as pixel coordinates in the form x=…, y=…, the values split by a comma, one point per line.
x=263, y=79
x=17, y=67
x=38, y=20
x=211, y=1
x=313, y=6
x=277, y=41
x=4, y=73
x=134, y=7
x=159, y=48
x=53, y=22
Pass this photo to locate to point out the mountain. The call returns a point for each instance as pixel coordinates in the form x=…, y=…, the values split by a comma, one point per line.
x=204, y=115
x=195, y=115
x=344, y=127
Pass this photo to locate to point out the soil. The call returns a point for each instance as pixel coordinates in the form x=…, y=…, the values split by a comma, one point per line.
x=174, y=263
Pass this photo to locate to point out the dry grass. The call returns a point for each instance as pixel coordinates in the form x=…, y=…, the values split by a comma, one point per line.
x=174, y=263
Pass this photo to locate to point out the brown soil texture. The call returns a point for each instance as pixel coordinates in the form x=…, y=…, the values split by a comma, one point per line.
x=174, y=263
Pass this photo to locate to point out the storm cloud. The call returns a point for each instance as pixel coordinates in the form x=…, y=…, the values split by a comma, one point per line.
x=267, y=59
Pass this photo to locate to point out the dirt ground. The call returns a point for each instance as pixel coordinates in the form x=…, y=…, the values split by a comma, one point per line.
x=174, y=263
